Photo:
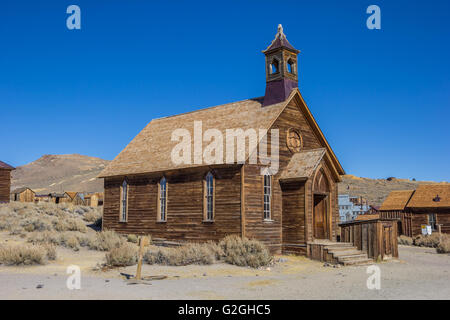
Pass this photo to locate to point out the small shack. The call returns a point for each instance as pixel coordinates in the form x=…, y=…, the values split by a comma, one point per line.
x=93, y=199
x=376, y=237
x=5, y=181
x=23, y=194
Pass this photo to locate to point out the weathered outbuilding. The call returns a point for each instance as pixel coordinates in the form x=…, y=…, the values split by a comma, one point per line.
x=5, y=181
x=427, y=205
x=284, y=197
x=93, y=199
x=23, y=194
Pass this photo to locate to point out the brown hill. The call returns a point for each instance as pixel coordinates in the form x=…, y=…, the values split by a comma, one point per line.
x=376, y=190
x=74, y=172
x=57, y=173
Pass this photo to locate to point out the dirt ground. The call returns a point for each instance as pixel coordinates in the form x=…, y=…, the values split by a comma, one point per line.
x=420, y=273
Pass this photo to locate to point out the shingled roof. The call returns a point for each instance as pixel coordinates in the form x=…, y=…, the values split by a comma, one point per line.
x=5, y=166
x=303, y=164
x=150, y=150
x=280, y=41
x=396, y=200
x=431, y=196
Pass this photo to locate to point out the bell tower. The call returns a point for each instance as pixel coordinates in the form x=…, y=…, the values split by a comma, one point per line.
x=281, y=69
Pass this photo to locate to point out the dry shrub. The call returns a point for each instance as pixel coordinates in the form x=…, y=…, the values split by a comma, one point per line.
x=47, y=237
x=24, y=254
x=444, y=245
x=93, y=216
x=107, y=240
x=51, y=251
x=132, y=238
x=181, y=256
x=125, y=255
x=431, y=241
x=408, y=241
x=69, y=240
x=244, y=252
x=70, y=225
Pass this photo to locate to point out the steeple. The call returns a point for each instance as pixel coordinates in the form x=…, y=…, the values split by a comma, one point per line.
x=281, y=69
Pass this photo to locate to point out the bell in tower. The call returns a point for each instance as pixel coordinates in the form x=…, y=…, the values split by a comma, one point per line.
x=281, y=69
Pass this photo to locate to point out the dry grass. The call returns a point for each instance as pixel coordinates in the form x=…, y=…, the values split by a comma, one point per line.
x=444, y=245
x=232, y=250
x=181, y=256
x=431, y=241
x=440, y=242
x=132, y=238
x=244, y=252
x=125, y=255
x=407, y=241
x=26, y=254
x=107, y=240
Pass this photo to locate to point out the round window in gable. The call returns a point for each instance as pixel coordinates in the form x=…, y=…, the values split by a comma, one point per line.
x=294, y=140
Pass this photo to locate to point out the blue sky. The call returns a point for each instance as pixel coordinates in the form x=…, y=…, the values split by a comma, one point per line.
x=381, y=97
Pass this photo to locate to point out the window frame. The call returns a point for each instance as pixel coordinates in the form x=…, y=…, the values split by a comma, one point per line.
x=159, y=199
x=432, y=222
x=209, y=216
x=123, y=216
x=270, y=196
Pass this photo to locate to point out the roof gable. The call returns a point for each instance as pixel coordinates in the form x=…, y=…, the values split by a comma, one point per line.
x=5, y=166
x=150, y=151
x=430, y=196
x=303, y=164
x=396, y=200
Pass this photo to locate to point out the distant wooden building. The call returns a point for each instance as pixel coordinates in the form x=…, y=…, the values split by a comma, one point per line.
x=93, y=199
x=5, y=181
x=147, y=192
x=427, y=205
x=75, y=198
x=23, y=194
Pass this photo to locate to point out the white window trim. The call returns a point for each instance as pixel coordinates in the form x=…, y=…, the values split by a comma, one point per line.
x=123, y=216
x=206, y=212
x=159, y=201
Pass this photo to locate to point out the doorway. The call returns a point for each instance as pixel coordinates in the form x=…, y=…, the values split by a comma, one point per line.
x=320, y=216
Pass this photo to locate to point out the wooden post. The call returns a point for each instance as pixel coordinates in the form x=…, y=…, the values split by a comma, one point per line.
x=143, y=241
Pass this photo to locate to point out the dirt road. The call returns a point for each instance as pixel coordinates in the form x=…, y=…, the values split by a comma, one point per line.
x=419, y=274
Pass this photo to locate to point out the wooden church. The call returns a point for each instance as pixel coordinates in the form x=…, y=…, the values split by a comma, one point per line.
x=147, y=193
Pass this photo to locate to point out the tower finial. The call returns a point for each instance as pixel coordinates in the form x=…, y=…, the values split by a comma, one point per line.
x=280, y=30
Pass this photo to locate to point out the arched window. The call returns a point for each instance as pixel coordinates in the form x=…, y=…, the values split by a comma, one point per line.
x=267, y=196
x=124, y=201
x=208, y=201
x=290, y=66
x=162, y=199
x=274, y=66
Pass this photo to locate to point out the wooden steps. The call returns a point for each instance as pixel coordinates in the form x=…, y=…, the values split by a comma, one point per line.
x=343, y=253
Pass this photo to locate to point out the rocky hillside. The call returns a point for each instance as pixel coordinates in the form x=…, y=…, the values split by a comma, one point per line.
x=375, y=190
x=57, y=173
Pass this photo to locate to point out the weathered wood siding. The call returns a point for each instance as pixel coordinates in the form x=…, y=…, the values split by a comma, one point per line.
x=294, y=219
x=5, y=185
x=376, y=237
x=420, y=217
x=184, y=206
x=268, y=232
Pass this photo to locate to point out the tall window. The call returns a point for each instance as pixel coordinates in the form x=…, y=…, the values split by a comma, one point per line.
x=123, y=201
x=267, y=196
x=162, y=205
x=209, y=197
x=432, y=220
